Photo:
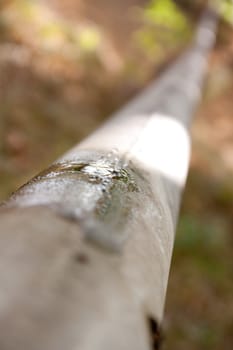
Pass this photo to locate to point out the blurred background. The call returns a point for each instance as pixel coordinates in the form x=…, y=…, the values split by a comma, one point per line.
x=65, y=65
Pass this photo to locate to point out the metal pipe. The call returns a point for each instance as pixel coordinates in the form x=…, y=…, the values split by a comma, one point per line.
x=85, y=247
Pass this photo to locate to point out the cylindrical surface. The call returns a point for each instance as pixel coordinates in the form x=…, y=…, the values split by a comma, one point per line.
x=85, y=247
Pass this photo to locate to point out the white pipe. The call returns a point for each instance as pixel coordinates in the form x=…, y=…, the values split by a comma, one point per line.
x=85, y=247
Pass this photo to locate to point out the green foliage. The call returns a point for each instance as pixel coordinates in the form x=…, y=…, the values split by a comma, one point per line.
x=166, y=13
x=195, y=235
x=226, y=8
x=37, y=25
x=199, y=242
x=165, y=26
x=89, y=39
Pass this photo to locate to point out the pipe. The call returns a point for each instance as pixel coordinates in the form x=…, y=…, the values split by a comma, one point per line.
x=85, y=246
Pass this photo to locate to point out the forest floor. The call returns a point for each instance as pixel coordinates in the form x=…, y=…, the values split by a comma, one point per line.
x=54, y=91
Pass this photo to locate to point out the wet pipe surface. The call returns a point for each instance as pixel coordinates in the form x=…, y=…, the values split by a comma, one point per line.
x=99, y=191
